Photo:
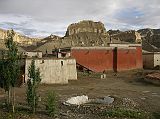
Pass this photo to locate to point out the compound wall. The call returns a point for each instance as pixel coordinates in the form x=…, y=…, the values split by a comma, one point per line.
x=95, y=59
x=99, y=59
x=126, y=59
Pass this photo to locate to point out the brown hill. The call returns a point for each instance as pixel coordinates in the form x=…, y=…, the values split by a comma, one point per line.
x=20, y=39
x=151, y=36
x=131, y=36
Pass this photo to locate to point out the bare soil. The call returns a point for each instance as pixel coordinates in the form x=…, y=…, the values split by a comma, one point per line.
x=141, y=96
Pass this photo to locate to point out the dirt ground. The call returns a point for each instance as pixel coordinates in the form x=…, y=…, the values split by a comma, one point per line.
x=125, y=85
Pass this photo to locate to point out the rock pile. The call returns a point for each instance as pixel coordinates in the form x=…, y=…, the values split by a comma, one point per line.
x=153, y=78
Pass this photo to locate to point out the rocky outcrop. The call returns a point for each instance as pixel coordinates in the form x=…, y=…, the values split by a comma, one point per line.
x=86, y=26
x=20, y=39
x=84, y=33
x=3, y=34
x=87, y=33
x=127, y=36
x=151, y=36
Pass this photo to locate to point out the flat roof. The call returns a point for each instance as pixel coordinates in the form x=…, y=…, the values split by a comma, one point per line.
x=93, y=48
x=34, y=51
x=126, y=44
x=101, y=48
x=147, y=53
x=49, y=58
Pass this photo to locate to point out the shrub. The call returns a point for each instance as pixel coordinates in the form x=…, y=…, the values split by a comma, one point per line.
x=51, y=104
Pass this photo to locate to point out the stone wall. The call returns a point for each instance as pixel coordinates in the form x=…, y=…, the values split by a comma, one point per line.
x=54, y=71
x=100, y=59
x=148, y=60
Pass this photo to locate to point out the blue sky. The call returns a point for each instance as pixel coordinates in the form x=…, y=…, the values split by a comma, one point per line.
x=40, y=18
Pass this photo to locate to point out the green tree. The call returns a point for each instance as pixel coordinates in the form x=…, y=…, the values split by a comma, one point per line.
x=10, y=69
x=33, y=82
x=51, y=106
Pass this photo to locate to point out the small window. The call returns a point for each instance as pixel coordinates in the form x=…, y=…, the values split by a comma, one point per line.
x=61, y=63
x=42, y=61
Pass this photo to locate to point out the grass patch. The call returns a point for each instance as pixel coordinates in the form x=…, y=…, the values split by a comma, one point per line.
x=156, y=115
x=125, y=113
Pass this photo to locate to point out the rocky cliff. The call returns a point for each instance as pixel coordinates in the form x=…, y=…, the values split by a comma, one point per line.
x=86, y=26
x=151, y=36
x=83, y=33
x=127, y=36
x=20, y=39
x=87, y=33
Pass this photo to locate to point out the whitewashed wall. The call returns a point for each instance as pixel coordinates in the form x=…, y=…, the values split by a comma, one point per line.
x=54, y=71
x=71, y=69
x=156, y=59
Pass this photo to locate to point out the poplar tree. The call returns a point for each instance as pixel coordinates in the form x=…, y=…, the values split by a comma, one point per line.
x=33, y=82
x=10, y=69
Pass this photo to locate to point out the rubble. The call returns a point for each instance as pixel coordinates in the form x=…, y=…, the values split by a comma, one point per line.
x=105, y=100
x=153, y=78
x=127, y=102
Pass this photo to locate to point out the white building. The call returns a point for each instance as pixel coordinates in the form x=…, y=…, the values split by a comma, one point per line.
x=54, y=71
x=151, y=59
x=31, y=54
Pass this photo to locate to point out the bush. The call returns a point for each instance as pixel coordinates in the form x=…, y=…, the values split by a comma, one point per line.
x=51, y=104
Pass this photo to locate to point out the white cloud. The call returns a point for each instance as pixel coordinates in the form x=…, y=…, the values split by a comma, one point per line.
x=43, y=17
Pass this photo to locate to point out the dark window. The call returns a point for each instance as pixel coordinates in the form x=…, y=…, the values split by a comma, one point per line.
x=61, y=63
